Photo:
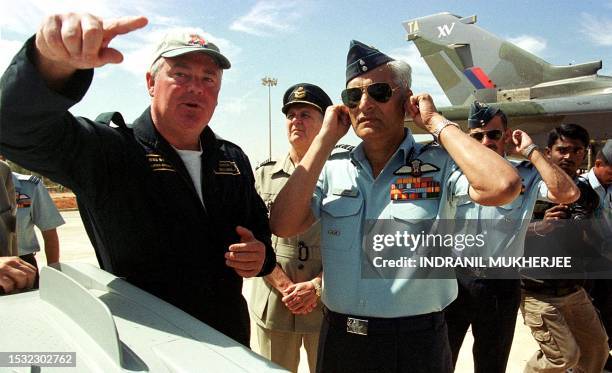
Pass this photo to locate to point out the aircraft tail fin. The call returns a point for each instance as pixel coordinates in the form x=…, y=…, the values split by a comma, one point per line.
x=471, y=63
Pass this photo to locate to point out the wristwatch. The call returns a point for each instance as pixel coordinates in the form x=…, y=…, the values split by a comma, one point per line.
x=440, y=126
x=528, y=150
x=317, y=287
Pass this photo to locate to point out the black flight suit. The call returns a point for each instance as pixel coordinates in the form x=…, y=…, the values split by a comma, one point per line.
x=136, y=198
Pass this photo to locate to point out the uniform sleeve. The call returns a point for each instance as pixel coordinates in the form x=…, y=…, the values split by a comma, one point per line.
x=259, y=175
x=319, y=194
x=543, y=191
x=457, y=185
x=40, y=134
x=258, y=220
x=44, y=212
x=8, y=245
x=9, y=187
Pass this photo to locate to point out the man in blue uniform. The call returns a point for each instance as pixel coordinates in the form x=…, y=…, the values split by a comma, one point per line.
x=384, y=324
x=8, y=238
x=490, y=305
x=15, y=274
x=36, y=208
x=600, y=179
x=167, y=204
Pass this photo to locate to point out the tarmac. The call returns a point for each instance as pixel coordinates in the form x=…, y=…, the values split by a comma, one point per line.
x=75, y=247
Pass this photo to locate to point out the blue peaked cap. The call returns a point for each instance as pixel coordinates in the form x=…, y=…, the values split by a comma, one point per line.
x=362, y=58
x=481, y=114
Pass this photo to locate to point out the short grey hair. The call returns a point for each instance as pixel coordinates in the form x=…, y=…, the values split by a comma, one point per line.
x=154, y=69
x=402, y=74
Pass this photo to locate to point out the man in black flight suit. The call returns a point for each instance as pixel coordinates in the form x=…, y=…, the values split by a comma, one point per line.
x=167, y=204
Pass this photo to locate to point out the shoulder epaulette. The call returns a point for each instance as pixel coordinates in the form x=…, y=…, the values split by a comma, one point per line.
x=430, y=145
x=423, y=147
x=34, y=179
x=341, y=150
x=524, y=163
x=267, y=162
x=112, y=119
x=344, y=146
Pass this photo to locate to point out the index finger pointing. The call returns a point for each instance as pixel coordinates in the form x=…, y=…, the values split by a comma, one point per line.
x=123, y=25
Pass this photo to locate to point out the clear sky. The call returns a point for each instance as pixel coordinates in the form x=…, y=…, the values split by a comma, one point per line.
x=302, y=41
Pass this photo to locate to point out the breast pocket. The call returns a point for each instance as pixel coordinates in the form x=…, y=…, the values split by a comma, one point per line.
x=511, y=210
x=415, y=211
x=341, y=221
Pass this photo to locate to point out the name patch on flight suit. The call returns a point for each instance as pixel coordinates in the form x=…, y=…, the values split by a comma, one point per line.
x=227, y=168
x=411, y=185
x=23, y=200
x=158, y=163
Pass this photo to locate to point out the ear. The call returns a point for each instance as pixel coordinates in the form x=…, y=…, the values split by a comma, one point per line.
x=508, y=136
x=598, y=163
x=407, y=102
x=547, y=151
x=150, y=84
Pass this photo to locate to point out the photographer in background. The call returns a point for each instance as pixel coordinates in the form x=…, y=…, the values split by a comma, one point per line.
x=559, y=312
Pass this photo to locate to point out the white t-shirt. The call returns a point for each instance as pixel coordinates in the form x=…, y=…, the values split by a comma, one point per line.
x=193, y=162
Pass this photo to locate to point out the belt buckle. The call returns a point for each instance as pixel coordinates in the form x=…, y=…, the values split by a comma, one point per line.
x=356, y=326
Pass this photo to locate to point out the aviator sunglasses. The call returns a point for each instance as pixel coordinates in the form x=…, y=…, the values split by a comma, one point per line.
x=493, y=135
x=381, y=92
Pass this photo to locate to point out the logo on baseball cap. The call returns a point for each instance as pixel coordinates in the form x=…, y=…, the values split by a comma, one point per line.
x=177, y=43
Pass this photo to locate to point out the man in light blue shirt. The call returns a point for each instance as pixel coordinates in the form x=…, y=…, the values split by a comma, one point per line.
x=384, y=324
x=36, y=208
x=600, y=179
x=490, y=305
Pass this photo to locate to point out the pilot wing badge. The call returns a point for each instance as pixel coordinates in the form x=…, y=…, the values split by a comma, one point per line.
x=227, y=168
x=159, y=163
x=412, y=185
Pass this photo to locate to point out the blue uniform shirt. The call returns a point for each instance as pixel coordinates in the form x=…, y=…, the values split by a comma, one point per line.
x=505, y=226
x=605, y=194
x=34, y=208
x=346, y=195
x=603, y=213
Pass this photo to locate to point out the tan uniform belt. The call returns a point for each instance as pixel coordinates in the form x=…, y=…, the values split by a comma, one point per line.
x=292, y=252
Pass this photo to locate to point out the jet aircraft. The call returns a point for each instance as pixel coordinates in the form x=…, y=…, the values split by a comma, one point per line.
x=471, y=63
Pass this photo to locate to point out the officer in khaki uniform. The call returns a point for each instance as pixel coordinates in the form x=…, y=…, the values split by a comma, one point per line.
x=8, y=240
x=285, y=304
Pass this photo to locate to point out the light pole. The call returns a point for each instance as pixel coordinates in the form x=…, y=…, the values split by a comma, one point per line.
x=269, y=82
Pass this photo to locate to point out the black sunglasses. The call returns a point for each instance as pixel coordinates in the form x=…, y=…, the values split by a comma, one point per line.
x=380, y=92
x=493, y=135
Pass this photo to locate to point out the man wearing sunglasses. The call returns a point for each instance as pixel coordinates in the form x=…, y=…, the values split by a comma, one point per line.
x=485, y=301
x=384, y=324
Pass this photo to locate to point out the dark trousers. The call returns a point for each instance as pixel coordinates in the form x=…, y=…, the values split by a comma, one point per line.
x=416, y=344
x=30, y=258
x=490, y=306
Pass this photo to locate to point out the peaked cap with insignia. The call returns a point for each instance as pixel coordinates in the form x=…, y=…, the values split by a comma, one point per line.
x=362, y=58
x=306, y=93
x=481, y=114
